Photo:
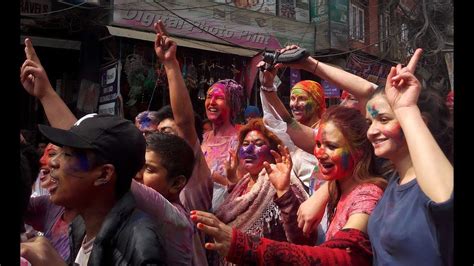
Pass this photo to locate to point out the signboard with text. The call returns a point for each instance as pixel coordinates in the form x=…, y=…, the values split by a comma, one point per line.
x=108, y=89
x=208, y=21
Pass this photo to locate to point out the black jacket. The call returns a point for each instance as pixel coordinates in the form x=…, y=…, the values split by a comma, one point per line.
x=128, y=236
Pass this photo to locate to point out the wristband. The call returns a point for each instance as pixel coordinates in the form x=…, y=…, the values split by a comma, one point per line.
x=268, y=89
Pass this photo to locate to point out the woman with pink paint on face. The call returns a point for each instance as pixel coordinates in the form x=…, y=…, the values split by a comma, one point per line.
x=43, y=215
x=223, y=104
x=346, y=162
x=41, y=185
x=265, y=200
x=413, y=222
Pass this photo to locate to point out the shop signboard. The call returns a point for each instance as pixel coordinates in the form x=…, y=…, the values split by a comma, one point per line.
x=375, y=72
x=221, y=23
x=34, y=7
x=109, y=91
x=330, y=91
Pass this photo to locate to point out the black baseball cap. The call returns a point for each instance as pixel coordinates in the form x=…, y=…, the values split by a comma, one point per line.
x=116, y=139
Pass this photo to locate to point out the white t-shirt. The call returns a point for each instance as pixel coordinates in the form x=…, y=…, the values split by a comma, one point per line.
x=84, y=252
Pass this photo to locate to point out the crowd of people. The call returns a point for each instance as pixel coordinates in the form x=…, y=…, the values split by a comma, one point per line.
x=367, y=182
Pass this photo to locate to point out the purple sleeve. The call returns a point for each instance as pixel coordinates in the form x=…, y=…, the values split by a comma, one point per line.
x=197, y=194
x=36, y=212
x=153, y=203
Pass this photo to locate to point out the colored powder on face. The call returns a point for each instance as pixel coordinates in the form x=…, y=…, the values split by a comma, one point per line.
x=309, y=107
x=396, y=133
x=297, y=91
x=145, y=122
x=345, y=159
x=83, y=161
x=248, y=151
x=372, y=111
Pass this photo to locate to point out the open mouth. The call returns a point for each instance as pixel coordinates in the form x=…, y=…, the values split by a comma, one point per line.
x=326, y=167
x=53, y=184
x=212, y=110
x=43, y=174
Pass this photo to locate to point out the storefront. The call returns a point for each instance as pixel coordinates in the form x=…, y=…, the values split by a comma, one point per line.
x=214, y=43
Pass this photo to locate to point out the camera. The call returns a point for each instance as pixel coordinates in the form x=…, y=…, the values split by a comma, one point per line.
x=286, y=57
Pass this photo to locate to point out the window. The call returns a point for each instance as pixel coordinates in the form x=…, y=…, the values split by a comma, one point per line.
x=356, y=23
x=404, y=33
x=384, y=31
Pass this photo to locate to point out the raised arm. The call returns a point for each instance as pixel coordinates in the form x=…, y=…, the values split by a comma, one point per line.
x=301, y=135
x=434, y=172
x=35, y=81
x=165, y=49
x=355, y=85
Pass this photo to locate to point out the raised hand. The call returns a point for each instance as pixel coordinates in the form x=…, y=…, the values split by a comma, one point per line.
x=402, y=87
x=209, y=224
x=231, y=167
x=165, y=47
x=33, y=77
x=267, y=76
x=279, y=173
x=304, y=63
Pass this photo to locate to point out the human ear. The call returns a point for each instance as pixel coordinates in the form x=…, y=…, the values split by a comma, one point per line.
x=178, y=184
x=106, y=174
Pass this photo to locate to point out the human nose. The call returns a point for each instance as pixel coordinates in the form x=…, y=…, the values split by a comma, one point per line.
x=139, y=174
x=54, y=161
x=372, y=131
x=320, y=152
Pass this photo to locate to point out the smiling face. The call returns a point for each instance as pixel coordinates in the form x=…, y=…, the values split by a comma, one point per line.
x=154, y=174
x=255, y=150
x=335, y=160
x=384, y=132
x=50, y=151
x=217, y=109
x=302, y=105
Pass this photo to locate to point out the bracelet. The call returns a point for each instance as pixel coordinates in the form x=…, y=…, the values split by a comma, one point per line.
x=273, y=88
x=316, y=67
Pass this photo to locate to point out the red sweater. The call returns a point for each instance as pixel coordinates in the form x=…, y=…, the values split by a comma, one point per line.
x=348, y=247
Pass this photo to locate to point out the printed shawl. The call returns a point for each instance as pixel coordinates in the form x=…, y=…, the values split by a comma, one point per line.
x=250, y=212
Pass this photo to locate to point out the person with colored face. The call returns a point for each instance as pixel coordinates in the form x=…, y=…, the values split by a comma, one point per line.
x=147, y=121
x=307, y=102
x=346, y=162
x=223, y=104
x=45, y=216
x=349, y=100
x=412, y=128
x=263, y=201
x=298, y=129
x=50, y=151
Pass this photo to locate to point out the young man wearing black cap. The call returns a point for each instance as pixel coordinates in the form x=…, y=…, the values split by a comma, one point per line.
x=92, y=173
